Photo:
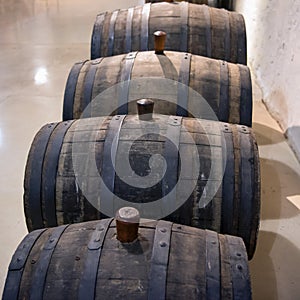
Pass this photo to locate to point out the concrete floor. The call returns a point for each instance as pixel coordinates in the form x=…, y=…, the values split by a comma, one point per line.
x=40, y=41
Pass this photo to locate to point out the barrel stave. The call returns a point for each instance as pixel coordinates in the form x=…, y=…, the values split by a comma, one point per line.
x=225, y=87
x=120, y=29
x=136, y=31
x=227, y=4
x=161, y=16
x=235, y=94
x=131, y=266
x=67, y=262
x=211, y=265
x=79, y=92
x=30, y=267
x=198, y=29
x=189, y=281
x=226, y=203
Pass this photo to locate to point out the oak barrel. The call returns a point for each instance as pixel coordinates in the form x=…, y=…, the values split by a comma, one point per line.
x=225, y=86
x=189, y=171
x=197, y=29
x=227, y=4
x=86, y=261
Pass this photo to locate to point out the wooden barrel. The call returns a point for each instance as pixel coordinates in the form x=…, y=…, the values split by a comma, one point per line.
x=197, y=29
x=211, y=177
x=168, y=261
x=227, y=4
x=225, y=86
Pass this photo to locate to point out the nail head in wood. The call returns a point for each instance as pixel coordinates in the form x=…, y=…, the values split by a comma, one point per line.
x=127, y=222
x=145, y=109
x=159, y=41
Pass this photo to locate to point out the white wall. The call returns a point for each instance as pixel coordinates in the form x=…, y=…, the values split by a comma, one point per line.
x=273, y=30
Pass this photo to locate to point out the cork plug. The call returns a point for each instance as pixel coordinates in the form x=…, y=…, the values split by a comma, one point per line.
x=159, y=41
x=145, y=109
x=127, y=221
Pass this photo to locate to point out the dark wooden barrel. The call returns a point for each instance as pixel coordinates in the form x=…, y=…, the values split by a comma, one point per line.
x=213, y=3
x=168, y=261
x=225, y=86
x=197, y=29
x=67, y=160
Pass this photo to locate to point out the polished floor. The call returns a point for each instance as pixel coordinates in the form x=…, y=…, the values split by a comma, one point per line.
x=40, y=40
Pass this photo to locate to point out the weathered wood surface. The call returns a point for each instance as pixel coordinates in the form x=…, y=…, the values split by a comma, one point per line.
x=193, y=28
x=225, y=87
x=226, y=203
x=199, y=264
x=227, y=4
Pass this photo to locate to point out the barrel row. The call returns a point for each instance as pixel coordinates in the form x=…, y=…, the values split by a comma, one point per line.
x=192, y=28
x=211, y=178
x=96, y=88
x=227, y=4
x=67, y=159
x=167, y=261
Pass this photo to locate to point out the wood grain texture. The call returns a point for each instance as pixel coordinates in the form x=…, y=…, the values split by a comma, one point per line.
x=211, y=32
x=123, y=269
x=80, y=164
x=220, y=84
x=213, y=3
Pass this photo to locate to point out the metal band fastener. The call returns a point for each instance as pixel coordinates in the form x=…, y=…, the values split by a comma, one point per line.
x=40, y=273
x=16, y=267
x=212, y=265
x=239, y=271
x=243, y=129
x=88, y=88
x=159, y=261
x=246, y=186
x=49, y=172
x=183, y=86
x=109, y=158
x=237, y=178
x=227, y=213
x=224, y=92
x=88, y=279
x=125, y=82
x=171, y=154
x=70, y=90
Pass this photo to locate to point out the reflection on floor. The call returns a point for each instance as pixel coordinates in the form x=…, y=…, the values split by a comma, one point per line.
x=275, y=267
x=40, y=41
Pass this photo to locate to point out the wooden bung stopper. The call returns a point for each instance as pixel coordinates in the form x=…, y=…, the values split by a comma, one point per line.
x=159, y=41
x=127, y=221
x=145, y=109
